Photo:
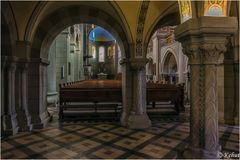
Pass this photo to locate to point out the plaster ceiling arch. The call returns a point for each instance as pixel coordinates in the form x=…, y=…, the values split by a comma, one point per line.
x=64, y=17
x=45, y=8
x=168, y=17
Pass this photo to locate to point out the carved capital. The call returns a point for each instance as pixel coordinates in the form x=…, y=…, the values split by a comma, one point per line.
x=138, y=63
x=124, y=61
x=192, y=52
x=207, y=53
x=212, y=52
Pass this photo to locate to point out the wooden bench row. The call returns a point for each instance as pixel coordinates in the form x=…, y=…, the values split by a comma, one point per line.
x=110, y=92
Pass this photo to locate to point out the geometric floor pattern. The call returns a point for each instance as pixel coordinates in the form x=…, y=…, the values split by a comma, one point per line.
x=167, y=137
x=108, y=140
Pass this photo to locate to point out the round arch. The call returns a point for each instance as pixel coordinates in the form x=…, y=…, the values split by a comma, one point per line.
x=170, y=17
x=45, y=33
x=64, y=17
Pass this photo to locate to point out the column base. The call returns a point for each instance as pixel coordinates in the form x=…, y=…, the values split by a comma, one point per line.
x=52, y=98
x=45, y=117
x=199, y=153
x=41, y=122
x=123, y=119
x=138, y=121
x=10, y=124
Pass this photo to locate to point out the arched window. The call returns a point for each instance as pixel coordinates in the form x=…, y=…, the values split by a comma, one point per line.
x=215, y=8
x=113, y=50
x=170, y=68
x=94, y=51
x=170, y=64
x=101, y=57
x=109, y=52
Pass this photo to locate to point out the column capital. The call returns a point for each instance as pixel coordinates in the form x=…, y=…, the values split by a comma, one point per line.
x=124, y=61
x=207, y=53
x=138, y=63
x=192, y=52
x=213, y=52
x=204, y=39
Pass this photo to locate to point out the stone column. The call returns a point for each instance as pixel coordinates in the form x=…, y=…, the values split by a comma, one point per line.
x=204, y=40
x=24, y=94
x=37, y=88
x=44, y=116
x=6, y=125
x=11, y=96
x=52, y=76
x=138, y=118
x=187, y=88
x=236, y=93
x=126, y=90
x=2, y=87
x=229, y=109
x=21, y=118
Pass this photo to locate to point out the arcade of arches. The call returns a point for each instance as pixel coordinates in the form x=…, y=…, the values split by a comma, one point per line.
x=47, y=43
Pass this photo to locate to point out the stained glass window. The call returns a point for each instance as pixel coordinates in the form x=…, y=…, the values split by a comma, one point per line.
x=215, y=8
x=101, y=54
x=185, y=10
x=93, y=51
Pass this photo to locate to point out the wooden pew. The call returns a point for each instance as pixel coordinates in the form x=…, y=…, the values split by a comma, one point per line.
x=106, y=92
x=110, y=91
x=166, y=92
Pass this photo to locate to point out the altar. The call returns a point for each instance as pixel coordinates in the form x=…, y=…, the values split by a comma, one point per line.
x=102, y=76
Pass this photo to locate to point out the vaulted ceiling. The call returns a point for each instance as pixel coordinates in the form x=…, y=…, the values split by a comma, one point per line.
x=127, y=10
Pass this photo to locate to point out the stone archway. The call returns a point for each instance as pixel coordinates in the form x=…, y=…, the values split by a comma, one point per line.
x=46, y=32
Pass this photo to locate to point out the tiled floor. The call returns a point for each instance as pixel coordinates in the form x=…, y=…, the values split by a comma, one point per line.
x=85, y=140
